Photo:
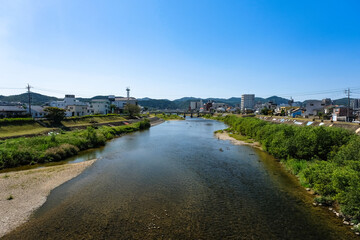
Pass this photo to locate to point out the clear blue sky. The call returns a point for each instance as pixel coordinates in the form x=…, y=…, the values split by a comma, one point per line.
x=171, y=48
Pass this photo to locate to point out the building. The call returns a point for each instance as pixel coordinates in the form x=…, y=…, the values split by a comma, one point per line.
x=313, y=107
x=37, y=111
x=355, y=104
x=120, y=103
x=295, y=112
x=99, y=106
x=9, y=111
x=68, y=100
x=340, y=114
x=196, y=106
x=247, y=101
x=77, y=110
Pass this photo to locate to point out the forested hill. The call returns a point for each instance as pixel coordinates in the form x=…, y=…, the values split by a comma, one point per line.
x=182, y=103
x=36, y=98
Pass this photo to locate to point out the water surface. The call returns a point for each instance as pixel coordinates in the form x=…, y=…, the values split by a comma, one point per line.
x=177, y=181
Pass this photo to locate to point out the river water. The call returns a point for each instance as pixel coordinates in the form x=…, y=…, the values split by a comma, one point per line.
x=177, y=181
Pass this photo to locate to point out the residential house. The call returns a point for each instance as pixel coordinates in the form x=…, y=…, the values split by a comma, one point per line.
x=295, y=112
x=8, y=111
x=37, y=111
x=340, y=114
x=77, y=110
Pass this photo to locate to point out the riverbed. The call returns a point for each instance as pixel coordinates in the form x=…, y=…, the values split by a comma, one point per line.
x=177, y=181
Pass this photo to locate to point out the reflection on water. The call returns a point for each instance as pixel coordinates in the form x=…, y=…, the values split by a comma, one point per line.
x=172, y=182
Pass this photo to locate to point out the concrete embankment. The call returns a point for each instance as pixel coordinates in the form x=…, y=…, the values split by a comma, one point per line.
x=353, y=127
x=22, y=192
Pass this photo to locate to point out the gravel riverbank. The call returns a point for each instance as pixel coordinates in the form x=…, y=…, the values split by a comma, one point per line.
x=22, y=192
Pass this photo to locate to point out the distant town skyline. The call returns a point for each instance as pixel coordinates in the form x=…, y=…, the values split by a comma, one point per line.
x=172, y=49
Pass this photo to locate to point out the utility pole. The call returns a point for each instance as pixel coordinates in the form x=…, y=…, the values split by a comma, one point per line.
x=29, y=97
x=348, y=105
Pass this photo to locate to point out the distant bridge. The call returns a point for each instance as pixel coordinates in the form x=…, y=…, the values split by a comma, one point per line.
x=183, y=113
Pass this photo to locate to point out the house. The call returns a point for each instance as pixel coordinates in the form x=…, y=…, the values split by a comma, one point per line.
x=313, y=108
x=37, y=111
x=77, y=110
x=8, y=111
x=99, y=106
x=340, y=114
x=295, y=112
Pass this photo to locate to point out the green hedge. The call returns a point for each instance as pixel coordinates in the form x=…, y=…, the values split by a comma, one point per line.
x=55, y=147
x=325, y=159
x=15, y=121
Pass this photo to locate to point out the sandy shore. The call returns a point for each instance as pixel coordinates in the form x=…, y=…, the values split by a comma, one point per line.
x=225, y=136
x=29, y=190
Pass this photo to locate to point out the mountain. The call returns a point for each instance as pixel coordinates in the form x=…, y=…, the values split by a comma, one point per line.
x=36, y=98
x=158, y=104
x=341, y=101
x=152, y=104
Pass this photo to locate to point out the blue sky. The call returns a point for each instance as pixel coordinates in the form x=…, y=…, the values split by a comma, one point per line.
x=171, y=48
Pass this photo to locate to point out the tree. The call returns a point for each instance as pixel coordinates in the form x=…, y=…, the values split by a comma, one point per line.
x=132, y=110
x=112, y=108
x=264, y=111
x=54, y=114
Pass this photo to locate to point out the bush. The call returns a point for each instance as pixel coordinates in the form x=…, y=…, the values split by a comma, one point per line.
x=15, y=121
x=325, y=159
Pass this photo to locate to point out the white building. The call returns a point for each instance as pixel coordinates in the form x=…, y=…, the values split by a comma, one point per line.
x=247, y=101
x=37, y=112
x=68, y=100
x=77, y=110
x=313, y=107
x=120, y=102
x=100, y=106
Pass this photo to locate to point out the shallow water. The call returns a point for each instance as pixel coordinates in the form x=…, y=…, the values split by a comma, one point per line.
x=176, y=181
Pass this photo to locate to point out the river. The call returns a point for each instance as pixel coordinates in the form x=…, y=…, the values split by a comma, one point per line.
x=177, y=181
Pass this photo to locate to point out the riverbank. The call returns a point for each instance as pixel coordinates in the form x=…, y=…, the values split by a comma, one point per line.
x=22, y=192
x=326, y=160
x=14, y=128
x=61, y=145
x=223, y=135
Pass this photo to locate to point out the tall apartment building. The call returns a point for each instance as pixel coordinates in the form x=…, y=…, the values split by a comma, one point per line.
x=247, y=101
x=355, y=104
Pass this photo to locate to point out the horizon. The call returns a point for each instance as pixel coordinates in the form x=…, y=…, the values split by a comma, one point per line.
x=168, y=50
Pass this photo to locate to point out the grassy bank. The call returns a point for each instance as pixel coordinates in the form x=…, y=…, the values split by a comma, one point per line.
x=25, y=126
x=41, y=149
x=325, y=159
x=11, y=130
x=91, y=119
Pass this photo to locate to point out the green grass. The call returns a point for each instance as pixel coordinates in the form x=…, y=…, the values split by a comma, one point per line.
x=26, y=151
x=241, y=138
x=20, y=127
x=72, y=122
x=10, y=197
x=23, y=129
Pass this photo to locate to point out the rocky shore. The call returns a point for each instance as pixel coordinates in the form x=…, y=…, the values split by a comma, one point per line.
x=22, y=192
